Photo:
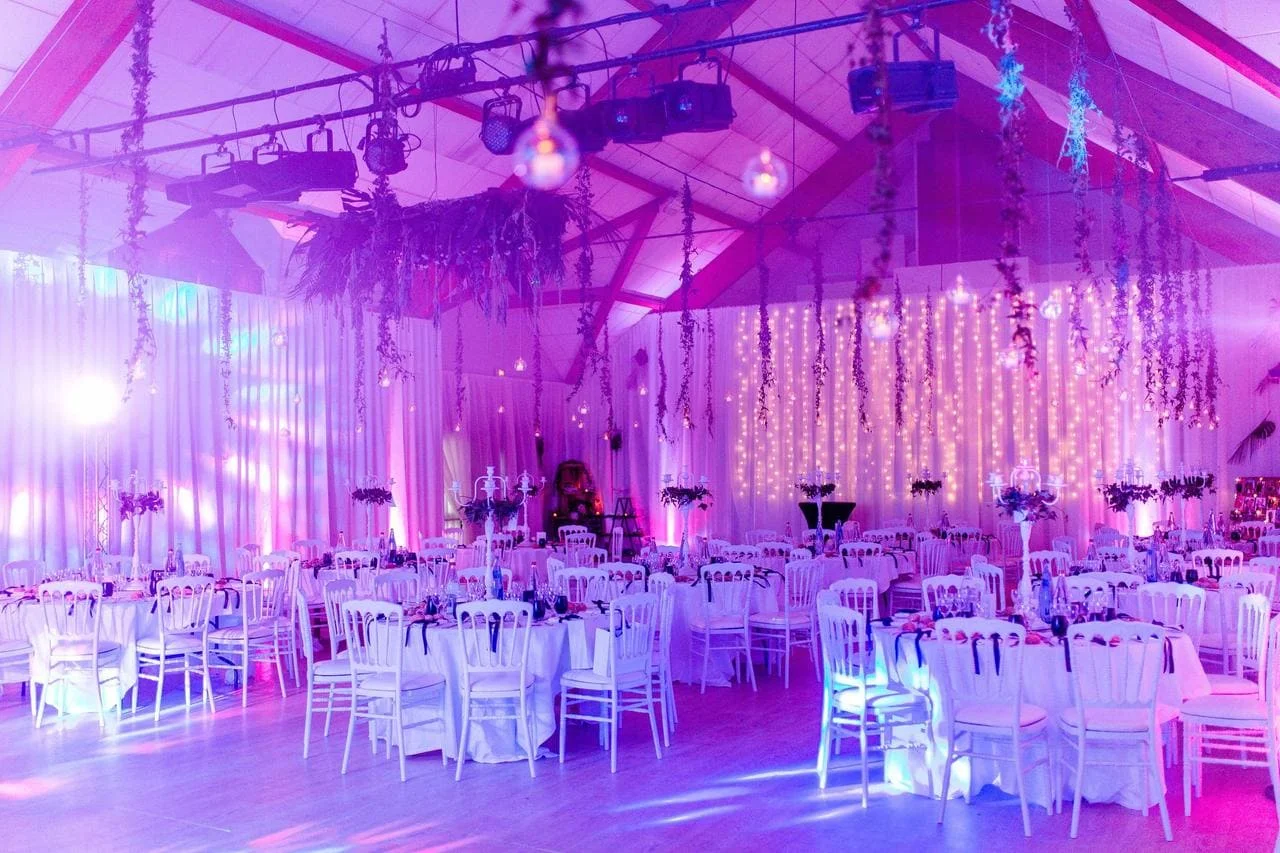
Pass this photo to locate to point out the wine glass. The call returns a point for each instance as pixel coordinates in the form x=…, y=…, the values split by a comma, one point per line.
x=561, y=604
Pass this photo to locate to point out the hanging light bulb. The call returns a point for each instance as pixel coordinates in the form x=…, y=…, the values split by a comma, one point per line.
x=502, y=409
x=882, y=325
x=959, y=294
x=1080, y=368
x=413, y=407
x=384, y=378
x=279, y=338
x=1051, y=308
x=765, y=176
x=644, y=391
x=546, y=153
x=582, y=410
x=520, y=365
x=501, y=372
x=1009, y=359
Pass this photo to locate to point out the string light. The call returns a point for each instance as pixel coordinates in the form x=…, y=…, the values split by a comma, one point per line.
x=765, y=176
x=959, y=294
x=546, y=154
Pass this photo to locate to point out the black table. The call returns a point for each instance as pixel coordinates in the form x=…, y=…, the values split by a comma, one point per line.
x=833, y=512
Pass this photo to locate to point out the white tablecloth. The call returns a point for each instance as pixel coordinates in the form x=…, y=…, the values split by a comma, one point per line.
x=1046, y=683
x=553, y=648
x=882, y=569
x=521, y=560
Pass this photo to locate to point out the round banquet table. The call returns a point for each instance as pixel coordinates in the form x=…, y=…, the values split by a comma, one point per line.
x=882, y=568
x=522, y=560
x=1046, y=683
x=554, y=647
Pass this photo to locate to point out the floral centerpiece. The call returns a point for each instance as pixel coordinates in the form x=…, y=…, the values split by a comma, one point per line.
x=1120, y=495
x=134, y=504
x=813, y=491
x=1026, y=505
x=925, y=486
x=372, y=495
x=682, y=496
x=1194, y=486
x=477, y=510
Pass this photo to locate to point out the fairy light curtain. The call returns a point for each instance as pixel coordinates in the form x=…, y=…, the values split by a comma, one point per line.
x=987, y=415
x=284, y=473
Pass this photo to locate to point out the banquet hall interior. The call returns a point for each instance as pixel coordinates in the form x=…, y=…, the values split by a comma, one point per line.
x=750, y=424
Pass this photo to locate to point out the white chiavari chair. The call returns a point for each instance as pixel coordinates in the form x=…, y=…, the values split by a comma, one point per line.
x=1217, y=562
x=436, y=567
x=567, y=530
x=581, y=585
x=934, y=590
x=198, y=565
x=380, y=689
x=723, y=621
x=1109, y=537
x=1252, y=620
x=1065, y=544
x=625, y=577
x=860, y=594
x=795, y=624
x=1269, y=545
x=495, y=670
x=741, y=554
x=1223, y=642
x=399, y=586
x=25, y=573
x=310, y=549
x=1252, y=531
x=755, y=537
x=992, y=578
x=1049, y=563
x=334, y=675
x=853, y=704
x=591, y=558
x=257, y=637
x=980, y=680
x=1173, y=605
x=449, y=542
x=476, y=581
x=628, y=684
x=72, y=614
x=357, y=565
x=799, y=554
x=1114, y=558
x=247, y=557
x=774, y=549
x=183, y=608
x=335, y=593
x=715, y=548
x=861, y=549
x=1115, y=675
x=934, y=556
x=662, y=585
x=15, y=653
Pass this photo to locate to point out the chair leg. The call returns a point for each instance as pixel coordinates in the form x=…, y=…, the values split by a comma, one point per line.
x=44, y=693
x=279, y=664
x=155, y=717
x=1079, y=786
x=399, y=724
x=564, y=722
x=525, y=723
x=186, y=678
x=1186, y=769
x=615, y=714
x=207, y=687
x=751, y=669
x=97, y=695
x=351, y=733
x=1157, y=776
x=306, y=725
x=462, y=738
x=786, y=659
x=653, y=715
x=31, y=694
x=862, y=757
x=1022, y=794
x=1273, y=767
x=824, y=744
x=706, y=658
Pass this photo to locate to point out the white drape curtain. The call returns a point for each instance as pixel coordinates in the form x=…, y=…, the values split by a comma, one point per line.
x=284, y=472
x=985, y=417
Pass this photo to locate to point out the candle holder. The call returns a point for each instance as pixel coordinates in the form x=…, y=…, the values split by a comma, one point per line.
x=1026, y=500
x=815, y=486
x=684, y=495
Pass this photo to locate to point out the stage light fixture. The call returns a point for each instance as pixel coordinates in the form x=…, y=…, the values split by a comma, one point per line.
x=634, y=120
x=92, y=400
x=386, y=149
x=501, y=124
x=693, y=107
x=914, y=87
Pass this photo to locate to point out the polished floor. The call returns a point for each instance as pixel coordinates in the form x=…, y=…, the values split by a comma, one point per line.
x=739, y=776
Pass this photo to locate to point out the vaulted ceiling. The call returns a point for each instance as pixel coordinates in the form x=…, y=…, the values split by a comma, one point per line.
x=1198, y=78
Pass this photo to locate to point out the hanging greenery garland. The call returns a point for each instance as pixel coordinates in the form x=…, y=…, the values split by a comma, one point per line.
x=765, y=336
x=930, y=367
x=1181, y=334
x=820, y=367
x=661, y=406
x=224, y=354
x=131, y=141
x=586, y=260
x=605, y=371
x=1146, y=304
x=359, y=390
x=709, y=413
x=1120, y=267
x=537, y=362
x=860, y=368
x=1076, y=148
x=459, y=392
x=684, y=401
x=82, y=265
x=899, y=356
x=383, y=241
x=883, y=188
x=1196, y=336
x=1166, y=346
x=1013, y=209
x=1212, y=379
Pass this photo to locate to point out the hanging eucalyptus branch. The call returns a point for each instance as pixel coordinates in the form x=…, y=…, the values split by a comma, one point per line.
x=883, y=189
x=1212, y=379
x=1196, y=339
x=1013, y=207
x=224, y=354
x=1146, y=305
x=1166, y=346
x=82, y=266
x=605, y=372
x=860, y=368
x=899, y=356
x=684, y=401
x=820, y=367
x=660, y=407
x=930, y=367
x=1181, y=334
x=459, y=392
x=1120, y=265
x=537, y=361
x=131, y=142
x=1076, y=148
x=586, y=260
x=709, y=413
x=765, y=336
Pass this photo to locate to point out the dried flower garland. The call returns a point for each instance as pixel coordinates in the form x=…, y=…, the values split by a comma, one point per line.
x=1076, y=148
x=1195, y=333
x=82, y=264
x=224, y=354
x=860, y=368
x=1212, y=379
x=709, y=412
x=1146, y=304
x=883, y=189
x=131, y=142
x=459, y=392
x=1181, y=335
x=359, y=391
x=382, y=246
x=930, y=367
x=684, y=401
x=1165, y=345
x=605, y=370
x=899, y=356
x=820, y=367
x=586, y=260
x=373, y=495
x=813, y=491
x=765, y=335
x=1120, y=268
x=661, y=405
x=1013, y=213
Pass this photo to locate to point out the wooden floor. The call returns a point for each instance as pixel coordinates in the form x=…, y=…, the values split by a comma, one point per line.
x=739, y=776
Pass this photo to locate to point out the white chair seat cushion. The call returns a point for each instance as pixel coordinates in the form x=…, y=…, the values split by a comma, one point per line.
x=385, y=682
x=1242, y=709
x=498, y=682
x=717, y=623
x=908, y=583
x=14, y=648
x=1211, y=641
x=589, y=679
x=173, y=644
x=82, y=649
x=1117, y=719
x=878, y=698
x=338, y=667
x=779, y=619
x=1221, y=684
x=235, y=633
x=998, y=715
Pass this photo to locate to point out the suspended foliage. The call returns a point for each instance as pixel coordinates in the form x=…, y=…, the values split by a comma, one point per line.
x=899, y=356
x=860, y=368
x=930, y=367
x=684, y=400
x=586, y=307
x=765, y=336
x=709, y=413
x=131, y=142
x=1076, y=148
x=820, y=367
x=883, y=188
x=1120, y=265
x=224, y=354
x=1146, y=304
x=661, y=405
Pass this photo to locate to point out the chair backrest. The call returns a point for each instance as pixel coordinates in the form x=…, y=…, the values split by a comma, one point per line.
x=310, y=549
x=1065, y=544
x=183, y=604
x=400, y=586
x=375, y=637
x=801, y=581
x=1116, y=665
x=852, y=530
x=992, y=578
x=1049, y=563
x=965, y=588
x=934, y=557
x=715, y=547
x=1269, y=545
x=495, y=637
x=22, y=573
x=247, y=559
x=354, y=560
x=623, y=573
x=1217, y=562
x=616, y=540
x=1173, y=604
x=116, y=566
x=430, y=542
x=633, y=619
x=1252, y=530
x=72, y=610
x=860, y=594
x=1252, y=620
x=1127, y=580
x=844, y=647
x=1263, y=583
x=1114, y=558
x=741, y=554
x=774, y=549
x=287, y=553
x=1087, y=587
x=577, y=539
x=1107, y=537
x=569, y=529
x=590, y=558
x=729, y=597
x=980, y=661
x=755, y=537
x=476, y=580
x=305, y=631
x=727, y=571
x=198, y=564
x=799, y=554
x=335, y=594
x=861, y=549
x=581, y=585
x=263, y=596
